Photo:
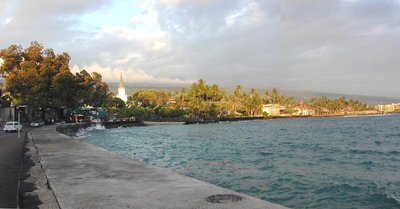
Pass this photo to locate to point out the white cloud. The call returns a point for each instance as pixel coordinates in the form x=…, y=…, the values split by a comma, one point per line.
x=172, y=2
x=128, y=58
x=252, y=42
x=7, y=21
x=110, y=74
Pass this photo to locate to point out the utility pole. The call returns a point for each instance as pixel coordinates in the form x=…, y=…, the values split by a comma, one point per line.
x=19, y=120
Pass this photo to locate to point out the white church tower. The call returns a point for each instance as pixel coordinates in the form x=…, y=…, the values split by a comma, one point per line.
x=121, y=90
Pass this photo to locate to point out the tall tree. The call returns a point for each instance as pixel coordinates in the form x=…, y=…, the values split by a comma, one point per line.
x=181, y=98
x=253, y=103
x=41, y=79
x=236, y=101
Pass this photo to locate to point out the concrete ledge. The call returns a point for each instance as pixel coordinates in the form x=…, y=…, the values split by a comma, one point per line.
x=85, y=176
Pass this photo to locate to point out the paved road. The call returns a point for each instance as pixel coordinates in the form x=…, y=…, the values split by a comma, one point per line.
x=10, y=162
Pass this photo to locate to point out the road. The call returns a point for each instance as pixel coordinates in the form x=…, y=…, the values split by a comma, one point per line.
x=10, y=163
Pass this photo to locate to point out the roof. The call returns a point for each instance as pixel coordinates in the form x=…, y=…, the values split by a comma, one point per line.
x=121, y=83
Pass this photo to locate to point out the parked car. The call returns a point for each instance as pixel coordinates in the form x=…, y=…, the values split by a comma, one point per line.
x=12, y=126
x=37, y=124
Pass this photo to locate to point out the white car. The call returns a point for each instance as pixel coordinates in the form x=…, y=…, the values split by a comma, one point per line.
x=37, y=124
x=12, y=126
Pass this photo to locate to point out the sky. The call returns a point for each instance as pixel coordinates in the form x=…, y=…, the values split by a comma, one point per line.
x=339, y=46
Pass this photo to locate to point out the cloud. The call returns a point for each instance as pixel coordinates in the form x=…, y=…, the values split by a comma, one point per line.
x=50, y=22
x=130, y=75
x=233, y=44
x=211, y=40
x=341, y=45
x=170, y=2
x=345, y=46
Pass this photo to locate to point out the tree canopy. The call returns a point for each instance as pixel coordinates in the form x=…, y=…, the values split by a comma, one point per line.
x=40, y=78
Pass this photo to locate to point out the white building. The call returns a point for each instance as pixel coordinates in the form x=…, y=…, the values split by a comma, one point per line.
x=301, y=111
x=388, y=107
x=272, y=109
x=121, y=90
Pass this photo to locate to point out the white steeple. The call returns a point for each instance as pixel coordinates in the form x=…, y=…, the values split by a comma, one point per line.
x=121, y=90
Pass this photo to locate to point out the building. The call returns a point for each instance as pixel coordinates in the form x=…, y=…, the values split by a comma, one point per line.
x=388, y=107
x=302, y=111
x=396, y=107
x=121, y=90
x=272, y=109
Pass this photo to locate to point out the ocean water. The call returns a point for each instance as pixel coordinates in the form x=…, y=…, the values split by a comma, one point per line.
x=351, y=162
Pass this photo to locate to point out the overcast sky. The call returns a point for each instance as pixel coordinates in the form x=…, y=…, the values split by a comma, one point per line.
x=341, y=46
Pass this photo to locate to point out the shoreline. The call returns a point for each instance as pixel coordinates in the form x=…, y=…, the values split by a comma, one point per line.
x=74, y=127
x=82, y=175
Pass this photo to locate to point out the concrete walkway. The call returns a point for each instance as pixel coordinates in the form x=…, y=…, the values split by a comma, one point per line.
x=85, y=176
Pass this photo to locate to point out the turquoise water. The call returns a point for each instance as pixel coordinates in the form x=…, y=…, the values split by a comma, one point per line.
x=300, y=163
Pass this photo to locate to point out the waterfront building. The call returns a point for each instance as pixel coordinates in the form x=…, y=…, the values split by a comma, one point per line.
x=301, y=111
x=121, y=90
x=273, y=109
x=396, y=107
x=388, y=107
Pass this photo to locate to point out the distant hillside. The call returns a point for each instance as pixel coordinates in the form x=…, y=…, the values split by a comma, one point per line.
x=298, y=95
x=130, y=88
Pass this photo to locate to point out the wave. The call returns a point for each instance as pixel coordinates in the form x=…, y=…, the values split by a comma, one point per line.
x=393, y=193
x=82, y=133
x=353, y=151
x=85, y=132
x=393, y=196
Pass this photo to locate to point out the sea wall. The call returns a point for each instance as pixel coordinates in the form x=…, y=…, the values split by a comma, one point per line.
x=72, y=128
x=86, y=176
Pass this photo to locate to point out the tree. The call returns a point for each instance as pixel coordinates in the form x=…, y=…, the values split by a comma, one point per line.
x=181, y=98
x=253, y=103
x=276, y=97
x=324, y=105
x=99, y=92
x=117, y=103
x=235, y=101
x=65, y=87
x=149, y=100
x=11, y=59
x=267, y=98
x=205, y=101
x=92, y=90
x=41, y=79
x=170, y=112
x=132, y=113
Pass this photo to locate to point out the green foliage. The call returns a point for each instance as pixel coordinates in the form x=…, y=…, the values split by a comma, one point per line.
x=116, y=103
x=275, y=97
x=152, y=99
x=39, y=78
x=324, y=105
x=170, y=112
x=133, y=113
x=253, y=103
x=92, y=90
x=204, y=100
